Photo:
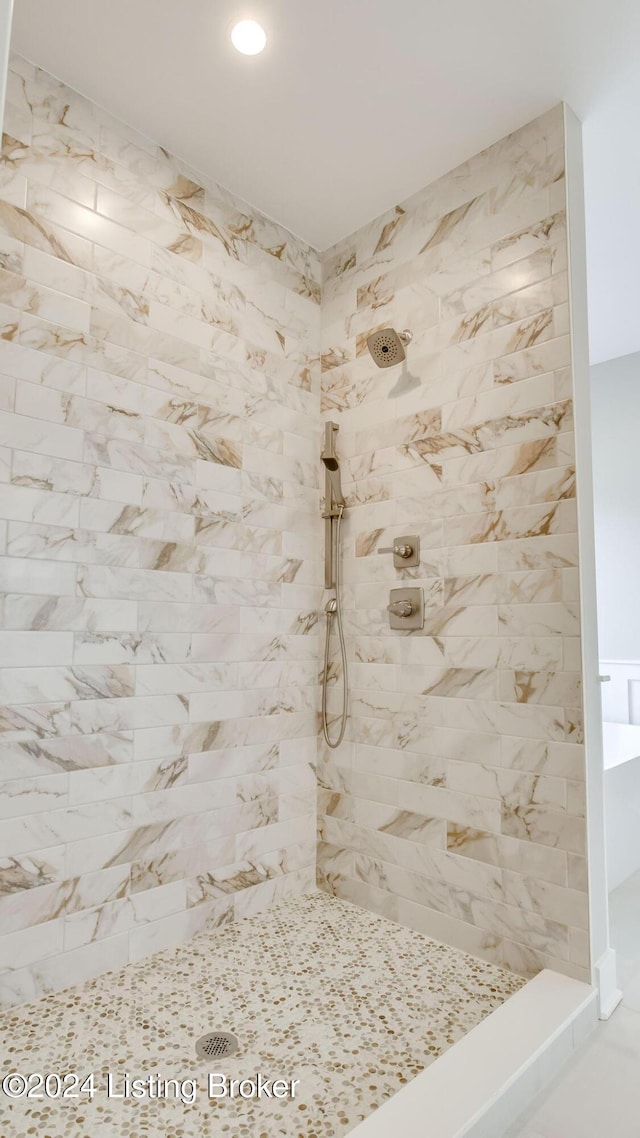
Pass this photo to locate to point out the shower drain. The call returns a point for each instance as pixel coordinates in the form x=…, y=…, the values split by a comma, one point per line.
x=216, y=1045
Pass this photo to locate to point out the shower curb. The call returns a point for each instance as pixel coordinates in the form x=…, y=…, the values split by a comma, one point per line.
x=481, y=1085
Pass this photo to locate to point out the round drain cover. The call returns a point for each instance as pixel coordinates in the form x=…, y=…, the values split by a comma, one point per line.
x=216, y=1045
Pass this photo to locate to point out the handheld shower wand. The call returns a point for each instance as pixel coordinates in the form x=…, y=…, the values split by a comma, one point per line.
x=331, y=464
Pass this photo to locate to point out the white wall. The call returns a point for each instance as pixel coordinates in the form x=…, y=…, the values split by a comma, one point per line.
x=615, y=388
x=622, y=821
x=616, y=465
x=6, y=16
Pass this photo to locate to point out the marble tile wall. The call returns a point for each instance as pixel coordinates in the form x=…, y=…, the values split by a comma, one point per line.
x=456, y=802
x=159, y=547
x=160, y=555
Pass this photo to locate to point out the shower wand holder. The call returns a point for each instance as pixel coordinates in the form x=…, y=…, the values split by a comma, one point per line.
x=334, y=503
x=331, y=512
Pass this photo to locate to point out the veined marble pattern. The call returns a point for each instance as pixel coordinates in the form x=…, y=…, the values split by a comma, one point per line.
x=161, y=370
x=456, y=802
x=315, y=989
x=159, y=552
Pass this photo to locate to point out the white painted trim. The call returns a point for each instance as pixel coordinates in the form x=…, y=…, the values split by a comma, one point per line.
x=6, y=17
x=596, y=855
x=480, y=1086
x=610, y=994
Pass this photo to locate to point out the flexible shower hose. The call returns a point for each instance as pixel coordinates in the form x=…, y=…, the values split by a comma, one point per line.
x=333, y=743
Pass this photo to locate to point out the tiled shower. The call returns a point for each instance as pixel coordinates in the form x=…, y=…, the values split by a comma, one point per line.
x=167, y=359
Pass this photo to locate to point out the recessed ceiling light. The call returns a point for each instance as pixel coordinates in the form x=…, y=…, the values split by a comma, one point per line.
x=248, y=37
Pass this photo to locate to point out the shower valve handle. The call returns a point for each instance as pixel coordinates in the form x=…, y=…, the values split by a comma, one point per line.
x=404, y=551
x=400, y=608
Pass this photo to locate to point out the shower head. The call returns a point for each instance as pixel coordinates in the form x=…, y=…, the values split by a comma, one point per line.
x=334, y=478
x=387, y=347
x=330, y=460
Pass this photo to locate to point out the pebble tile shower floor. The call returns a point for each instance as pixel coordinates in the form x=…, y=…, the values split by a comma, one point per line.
x=316, y=989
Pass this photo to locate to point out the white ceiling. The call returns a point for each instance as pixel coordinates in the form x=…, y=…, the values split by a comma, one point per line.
x=355, y=104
